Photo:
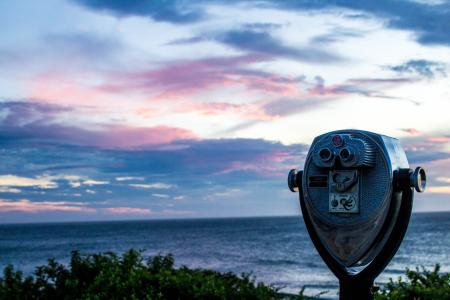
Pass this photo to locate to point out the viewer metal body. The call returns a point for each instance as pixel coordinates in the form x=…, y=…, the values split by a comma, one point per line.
x=356, y=193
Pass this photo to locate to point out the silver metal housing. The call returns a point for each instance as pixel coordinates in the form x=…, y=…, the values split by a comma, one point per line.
x=348, y=189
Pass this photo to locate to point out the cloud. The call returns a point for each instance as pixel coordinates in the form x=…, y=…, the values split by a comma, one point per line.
x=27, y=206
x=181, y=79
x=426, y=147
x=188, y=41
x=7, y=189
x=440, y=139
x=158, y=185
x=195, y=167
x=16, y=113
x=425, y=156
x=38, y=121
x=411, y=131
x=221, y=156
x=186, y=164
x=421, y=67
x=336, y=35
x=428, y=22
x=286, y=107
x=172, y=212
x=129, y=178
x=367, y=87
x=443, y=179
x=145, y=211
x=164, y=196
x=438, y=189
x=168, y=11
x=263, y=43
x=128, y=210
x=42, y=182
x=92, y=182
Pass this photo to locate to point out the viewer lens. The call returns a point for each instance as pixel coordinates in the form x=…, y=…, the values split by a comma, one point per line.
x=325, y=154
x=345, y=154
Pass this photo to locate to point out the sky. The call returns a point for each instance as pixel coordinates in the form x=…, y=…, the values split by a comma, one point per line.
x=115, y=110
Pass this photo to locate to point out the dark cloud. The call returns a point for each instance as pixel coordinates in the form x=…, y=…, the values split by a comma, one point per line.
x=421, y=67
x=207, y=176
x=188, y=41
x=425, y=147
x=263, y=42
x=31, y=120
x=174, y=11
x=217, y=158
x=50, y=146
x=336, y=35
x=190, y=167
x=21, y=112
x=424, y=156
x=161, y=150
x=429, y=22
x=262, y=26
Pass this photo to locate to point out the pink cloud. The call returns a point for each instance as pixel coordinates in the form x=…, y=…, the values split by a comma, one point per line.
x=186, y=78
x=125, y=137
x=106, y=136
x=411, y=131
x=59, y=87
x=27, y=206
x=439, y=139
x=248, y=111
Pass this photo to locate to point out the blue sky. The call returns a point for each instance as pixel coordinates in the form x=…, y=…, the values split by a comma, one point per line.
x=183, y=109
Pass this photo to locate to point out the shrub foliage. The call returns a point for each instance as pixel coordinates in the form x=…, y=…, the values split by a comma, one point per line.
x=421, y=284
x=130, y=276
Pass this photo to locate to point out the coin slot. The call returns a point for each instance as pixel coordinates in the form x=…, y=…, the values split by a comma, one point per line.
x=318, y=181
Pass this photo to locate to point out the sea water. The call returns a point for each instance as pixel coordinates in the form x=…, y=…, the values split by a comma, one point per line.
x=276, y=250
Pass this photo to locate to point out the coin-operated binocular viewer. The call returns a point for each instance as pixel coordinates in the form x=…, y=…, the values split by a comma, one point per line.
x=356, y=193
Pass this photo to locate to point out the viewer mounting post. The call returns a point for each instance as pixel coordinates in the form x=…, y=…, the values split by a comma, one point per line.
x=356, y=194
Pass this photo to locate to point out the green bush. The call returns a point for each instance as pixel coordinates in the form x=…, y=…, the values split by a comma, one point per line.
x=130, y=276
x=420, y=285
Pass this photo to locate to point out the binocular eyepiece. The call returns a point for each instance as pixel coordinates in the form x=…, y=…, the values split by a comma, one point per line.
x=345, y=155
x=344, y=149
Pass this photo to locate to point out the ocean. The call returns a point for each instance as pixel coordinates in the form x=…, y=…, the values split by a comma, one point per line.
x=276, y=250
